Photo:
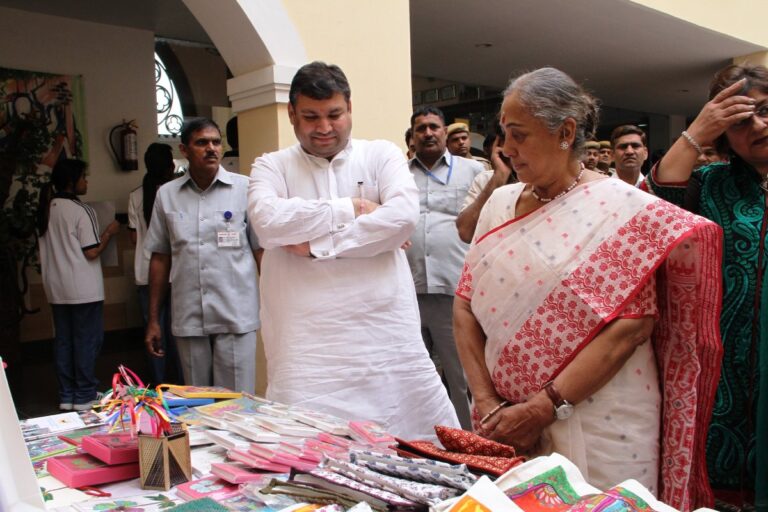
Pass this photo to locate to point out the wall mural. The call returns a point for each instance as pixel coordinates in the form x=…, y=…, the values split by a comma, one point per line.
x=43, y=101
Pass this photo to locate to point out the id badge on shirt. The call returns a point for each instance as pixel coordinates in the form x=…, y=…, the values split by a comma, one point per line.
x=228, y=238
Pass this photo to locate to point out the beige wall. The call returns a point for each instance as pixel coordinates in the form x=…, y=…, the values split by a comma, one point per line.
x=117, y=66
x=753, y=59
x=370, y=40
x=262, y=130
x=742, y=19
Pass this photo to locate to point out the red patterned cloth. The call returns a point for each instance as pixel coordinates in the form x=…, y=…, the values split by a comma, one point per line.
x=462, y=441
x=463, y=447
x=542, y=286
x=495, y=466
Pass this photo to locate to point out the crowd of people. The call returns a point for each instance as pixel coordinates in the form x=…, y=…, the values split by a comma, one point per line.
x=582, y=306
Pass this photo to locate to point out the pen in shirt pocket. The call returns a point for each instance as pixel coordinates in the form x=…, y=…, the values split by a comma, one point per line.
x=362, y=196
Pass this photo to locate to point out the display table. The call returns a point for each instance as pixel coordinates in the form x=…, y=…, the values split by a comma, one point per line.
x=291, y=457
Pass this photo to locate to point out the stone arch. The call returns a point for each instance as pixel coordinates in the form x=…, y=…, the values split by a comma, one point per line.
x=259, y=43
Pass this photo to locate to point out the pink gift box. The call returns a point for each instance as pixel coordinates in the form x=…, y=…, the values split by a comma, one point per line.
x=115, y=448
x=81, y=469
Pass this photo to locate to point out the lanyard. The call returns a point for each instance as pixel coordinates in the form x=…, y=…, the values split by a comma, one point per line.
x=447, y=178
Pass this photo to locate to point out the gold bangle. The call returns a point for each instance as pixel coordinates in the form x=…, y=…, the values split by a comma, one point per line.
x=493, y=411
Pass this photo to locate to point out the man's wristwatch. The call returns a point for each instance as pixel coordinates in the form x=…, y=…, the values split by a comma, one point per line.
x=563, y=409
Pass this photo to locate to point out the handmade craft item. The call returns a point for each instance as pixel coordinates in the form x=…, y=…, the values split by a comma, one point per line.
x=164, y=457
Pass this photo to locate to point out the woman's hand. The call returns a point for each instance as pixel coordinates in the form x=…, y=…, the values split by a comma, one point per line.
x=520, y=425
x=501, y=169
x=720, y=113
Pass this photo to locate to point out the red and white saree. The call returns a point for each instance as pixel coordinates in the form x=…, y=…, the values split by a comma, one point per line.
x=543, y=285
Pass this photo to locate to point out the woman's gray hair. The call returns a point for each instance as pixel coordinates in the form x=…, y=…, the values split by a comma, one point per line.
x=552, y=96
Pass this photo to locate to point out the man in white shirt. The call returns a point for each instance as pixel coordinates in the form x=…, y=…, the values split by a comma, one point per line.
x=629, y=153
x=339, y=314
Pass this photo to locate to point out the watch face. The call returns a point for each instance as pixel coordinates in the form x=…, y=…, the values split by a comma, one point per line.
x=564, y=411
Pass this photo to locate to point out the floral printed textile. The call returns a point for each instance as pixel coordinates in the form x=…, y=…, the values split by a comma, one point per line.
x=487, y=464
x=144, y=503
x=551, y=492
x=119, y=505
x=462, y=441
x=338, y=479
x=417, y=470
x=428, y=494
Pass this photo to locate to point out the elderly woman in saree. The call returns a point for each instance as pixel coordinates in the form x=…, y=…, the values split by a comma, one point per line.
x=584, y=314
x=734, y=195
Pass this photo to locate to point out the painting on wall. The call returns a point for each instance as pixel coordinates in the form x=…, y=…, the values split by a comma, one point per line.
x=53, y=105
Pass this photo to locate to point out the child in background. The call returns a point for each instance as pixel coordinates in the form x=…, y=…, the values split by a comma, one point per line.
x=70, y=246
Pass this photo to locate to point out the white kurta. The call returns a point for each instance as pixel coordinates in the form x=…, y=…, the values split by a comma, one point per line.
x=342, y=331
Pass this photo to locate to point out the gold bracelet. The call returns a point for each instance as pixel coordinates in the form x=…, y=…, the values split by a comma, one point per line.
x=494, y=411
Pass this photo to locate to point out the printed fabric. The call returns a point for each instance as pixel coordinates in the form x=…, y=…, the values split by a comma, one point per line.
x=428, y=471
x=375, y=492
x=428, y=494
x=484, y=463
x=462, y=441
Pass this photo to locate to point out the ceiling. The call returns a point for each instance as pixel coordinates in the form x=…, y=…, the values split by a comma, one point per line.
x=166, y=18
x=628, y=55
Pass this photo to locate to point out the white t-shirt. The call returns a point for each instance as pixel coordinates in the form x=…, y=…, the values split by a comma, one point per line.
x=68, y=276
x=137, y=223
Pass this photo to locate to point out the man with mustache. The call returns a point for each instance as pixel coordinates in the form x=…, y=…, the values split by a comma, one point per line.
x=606, y=158
x=591, y=155
x=437, y=254
x=460, y=144
x=341, y=324
x=199, y=237
x=629, y=153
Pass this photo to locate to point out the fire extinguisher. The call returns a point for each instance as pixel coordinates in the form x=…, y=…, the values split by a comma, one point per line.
x=123, y=141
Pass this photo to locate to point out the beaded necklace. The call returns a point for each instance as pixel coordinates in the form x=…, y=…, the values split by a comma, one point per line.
x=561, y=194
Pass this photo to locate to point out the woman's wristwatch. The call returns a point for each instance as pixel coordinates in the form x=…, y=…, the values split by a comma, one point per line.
x=563, y=409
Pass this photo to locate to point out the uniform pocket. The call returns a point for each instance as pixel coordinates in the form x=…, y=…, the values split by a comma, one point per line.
x=447, y=199
x=181, y=227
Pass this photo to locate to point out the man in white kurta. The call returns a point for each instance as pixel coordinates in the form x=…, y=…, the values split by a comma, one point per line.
x=340, y=321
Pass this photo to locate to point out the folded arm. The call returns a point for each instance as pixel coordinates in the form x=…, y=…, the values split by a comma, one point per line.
x=339, y=227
